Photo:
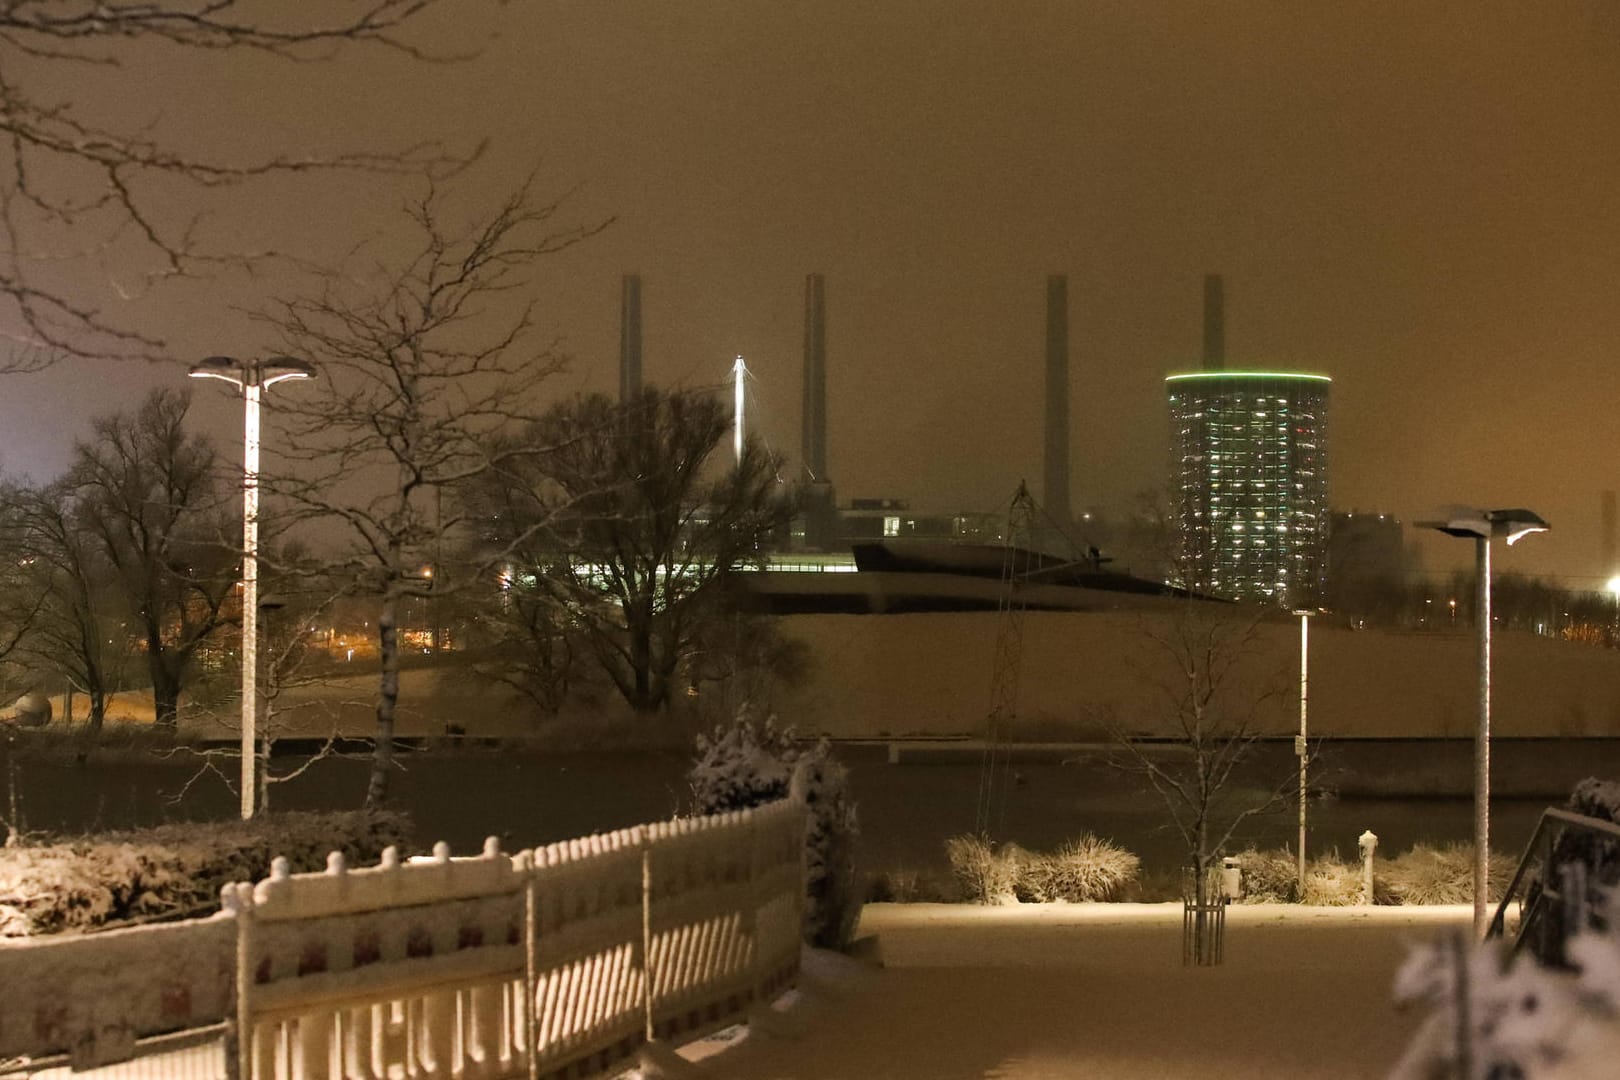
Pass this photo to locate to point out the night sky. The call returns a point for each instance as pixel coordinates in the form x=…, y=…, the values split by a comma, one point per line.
x=1419, y=200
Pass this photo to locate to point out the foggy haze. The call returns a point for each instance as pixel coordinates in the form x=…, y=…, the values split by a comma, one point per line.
x=1417, y=201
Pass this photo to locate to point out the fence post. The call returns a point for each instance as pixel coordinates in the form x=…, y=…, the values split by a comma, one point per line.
x=646, y=931
x=237, y=898
x=531, y=974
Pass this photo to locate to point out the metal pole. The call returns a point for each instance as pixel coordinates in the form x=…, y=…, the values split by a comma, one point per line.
x=250, y=586
x=1300, y=748
x=738, y=370
x=1482, y=736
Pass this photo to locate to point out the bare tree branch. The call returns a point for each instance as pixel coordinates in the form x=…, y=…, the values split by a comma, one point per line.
x=72, y=189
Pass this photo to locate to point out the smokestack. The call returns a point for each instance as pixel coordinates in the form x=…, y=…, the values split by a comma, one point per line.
x=821, y=527
x=813, y=435
x=1055, y=490
x=1607, y=534
x=630, y=339
x=1214, y=323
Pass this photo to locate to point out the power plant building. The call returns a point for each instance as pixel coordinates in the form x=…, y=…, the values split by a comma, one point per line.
x=1250, y=485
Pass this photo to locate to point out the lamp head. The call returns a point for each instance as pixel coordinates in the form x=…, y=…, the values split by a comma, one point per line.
x=1513, y=524
x=1516, y=524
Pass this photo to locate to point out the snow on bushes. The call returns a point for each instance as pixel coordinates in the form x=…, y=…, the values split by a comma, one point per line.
x=1524, y=1020
x=172, y=869
x=1080, y=871
x=1087, y=869
x=988, y=875
x=1441, y=875
x=752, y=763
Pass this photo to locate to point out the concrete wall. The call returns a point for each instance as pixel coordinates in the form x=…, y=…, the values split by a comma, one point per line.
x=930, y=673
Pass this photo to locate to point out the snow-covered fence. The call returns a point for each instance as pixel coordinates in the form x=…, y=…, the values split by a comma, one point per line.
x=86, y=1000
x=562, y=962
x=417, y=965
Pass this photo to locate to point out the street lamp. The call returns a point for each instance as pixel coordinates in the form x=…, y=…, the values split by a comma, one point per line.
x=253, y=376
x=1482, y=526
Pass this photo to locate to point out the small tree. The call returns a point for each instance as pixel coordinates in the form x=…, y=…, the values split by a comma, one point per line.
x=423, y=367
x=643, y=530
x=81, y=629
x=1199, y=665
x=143, y=489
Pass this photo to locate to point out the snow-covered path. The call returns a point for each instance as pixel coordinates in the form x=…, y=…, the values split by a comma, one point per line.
x=1047, y=992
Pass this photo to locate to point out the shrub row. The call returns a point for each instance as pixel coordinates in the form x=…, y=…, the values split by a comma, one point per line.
x=982, y=873
x=1085, y=869
x=172, y=870
x=1425, y=874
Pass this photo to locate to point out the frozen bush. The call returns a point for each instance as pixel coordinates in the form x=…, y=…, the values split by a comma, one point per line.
x=753, y=763
x=1443, y=875
x=987, y=875
x=1269, y=877
x=1331, y=882
x=173, y=870
x=1083, y=870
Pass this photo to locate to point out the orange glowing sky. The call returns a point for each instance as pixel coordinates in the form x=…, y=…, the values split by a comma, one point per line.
x=1419, y=200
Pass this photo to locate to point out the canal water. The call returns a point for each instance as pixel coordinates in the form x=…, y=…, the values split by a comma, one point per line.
x=1405, y=792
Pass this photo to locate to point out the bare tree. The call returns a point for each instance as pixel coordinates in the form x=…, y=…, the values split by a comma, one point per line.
x=81, y=631
x=642, y=531
x=421, y=370
x=1202, y=666
x=143, y=490
x=294, y=680
x=82, y=195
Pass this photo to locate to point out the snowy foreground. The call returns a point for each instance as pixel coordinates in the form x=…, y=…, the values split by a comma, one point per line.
x=1039, y=992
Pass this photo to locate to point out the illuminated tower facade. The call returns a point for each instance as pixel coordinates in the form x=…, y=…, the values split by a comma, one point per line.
x=1250, y=485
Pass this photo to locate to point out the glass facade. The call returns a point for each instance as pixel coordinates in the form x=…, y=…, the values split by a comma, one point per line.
x=1250, y=487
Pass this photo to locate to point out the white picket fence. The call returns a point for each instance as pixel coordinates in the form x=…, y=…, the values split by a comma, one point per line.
x=559, y=963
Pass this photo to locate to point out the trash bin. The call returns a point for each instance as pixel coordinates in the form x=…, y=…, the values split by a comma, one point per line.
x=1231, y=879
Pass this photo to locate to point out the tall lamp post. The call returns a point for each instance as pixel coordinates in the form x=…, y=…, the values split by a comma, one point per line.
x=1300, y=750
x=1483, y=526
x=253, y=377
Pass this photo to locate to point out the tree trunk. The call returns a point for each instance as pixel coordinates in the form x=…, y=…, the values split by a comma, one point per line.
x=165, y=696
x=382, y=755
x=98, y=713
x=641, y=670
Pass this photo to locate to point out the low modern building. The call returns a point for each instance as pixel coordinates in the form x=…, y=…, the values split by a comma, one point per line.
x=1250, y=484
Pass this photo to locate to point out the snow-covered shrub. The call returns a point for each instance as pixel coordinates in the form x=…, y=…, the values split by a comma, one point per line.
x=1079, y=871
x=1270, y=876
x=1525, y=1020
x=1443, y=875
x=987, y=874
x=751, y=763
x=1331, y=882
x=172, y=869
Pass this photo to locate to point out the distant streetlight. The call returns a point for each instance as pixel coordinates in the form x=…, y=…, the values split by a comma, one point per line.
x=1482, y=526
x=253, y=376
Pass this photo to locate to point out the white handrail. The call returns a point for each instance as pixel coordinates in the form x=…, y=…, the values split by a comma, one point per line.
x=565, y=960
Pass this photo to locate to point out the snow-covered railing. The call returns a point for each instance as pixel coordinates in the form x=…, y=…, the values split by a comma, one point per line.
x=561, y=962
x=86, y=1000
x=1570, y=859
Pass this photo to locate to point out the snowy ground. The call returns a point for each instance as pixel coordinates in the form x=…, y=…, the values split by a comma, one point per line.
x=1040, y=992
